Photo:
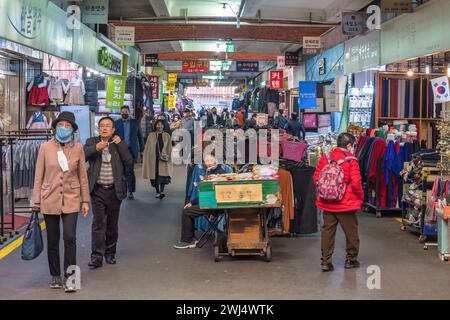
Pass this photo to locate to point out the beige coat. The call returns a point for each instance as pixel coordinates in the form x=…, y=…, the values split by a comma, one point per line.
x=55, y=191
x=148, y=165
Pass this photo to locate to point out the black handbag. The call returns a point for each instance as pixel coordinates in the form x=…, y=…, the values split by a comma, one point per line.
x=32, y=245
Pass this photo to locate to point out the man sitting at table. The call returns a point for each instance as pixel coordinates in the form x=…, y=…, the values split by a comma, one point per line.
x=192, y=210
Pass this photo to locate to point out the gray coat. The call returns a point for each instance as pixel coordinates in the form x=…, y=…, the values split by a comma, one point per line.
x=120, y=157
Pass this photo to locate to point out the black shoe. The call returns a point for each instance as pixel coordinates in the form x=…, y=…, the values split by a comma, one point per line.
x=351, y=264
x=327, y=267
x=130, y=196
x=56, y=283
x=94, y=265
x=110, y=260
x=161, y=196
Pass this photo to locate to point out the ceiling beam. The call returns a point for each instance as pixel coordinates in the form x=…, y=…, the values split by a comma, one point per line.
x=149, y=32
x=241, y=56
x=160, y=8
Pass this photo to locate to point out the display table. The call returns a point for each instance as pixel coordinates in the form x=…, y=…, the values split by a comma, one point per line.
x=246, y=204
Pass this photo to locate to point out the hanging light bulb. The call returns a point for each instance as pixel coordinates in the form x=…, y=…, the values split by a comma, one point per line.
x=427, y=69
x=410, y=73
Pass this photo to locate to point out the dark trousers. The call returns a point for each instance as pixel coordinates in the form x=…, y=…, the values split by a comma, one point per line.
x=187, y=221
x=52, y=223
x=349, y=224
x=130, y=177
x=105, y=226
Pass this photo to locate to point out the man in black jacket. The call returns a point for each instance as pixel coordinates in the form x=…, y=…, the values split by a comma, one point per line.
x=295, y=128
x=107, y=156
x=214, y=119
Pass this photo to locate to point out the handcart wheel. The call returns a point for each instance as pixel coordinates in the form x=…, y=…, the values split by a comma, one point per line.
x=378, y=215
x=425, y=247
x=268, y=254
x=216, y=254
x=446, y=259
x=422, y=238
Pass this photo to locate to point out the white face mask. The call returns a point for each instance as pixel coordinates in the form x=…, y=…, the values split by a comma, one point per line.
x=62, y=160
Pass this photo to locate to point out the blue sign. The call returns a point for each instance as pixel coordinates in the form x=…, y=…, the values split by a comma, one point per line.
x=247, y=66
x=307, y=94
x=327, y=65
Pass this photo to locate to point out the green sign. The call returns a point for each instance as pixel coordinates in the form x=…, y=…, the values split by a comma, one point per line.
x=230, y=47
x=107, y=60
x=38, y=24
x=115, y=92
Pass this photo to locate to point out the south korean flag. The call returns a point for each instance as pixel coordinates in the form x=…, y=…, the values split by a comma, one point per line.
x=440, y=89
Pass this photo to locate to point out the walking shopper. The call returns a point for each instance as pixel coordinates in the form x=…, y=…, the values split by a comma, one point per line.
x=339, y=201
x=176, y=122
x=60, y=185
x=280, y=120
x=232, y=122
x=129, y=131
x=157, y=164
x=107, y=156
x=214, y=119
x=295, y=128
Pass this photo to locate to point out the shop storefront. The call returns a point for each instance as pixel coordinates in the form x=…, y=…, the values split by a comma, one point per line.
x=326, y=70
x=361, y=62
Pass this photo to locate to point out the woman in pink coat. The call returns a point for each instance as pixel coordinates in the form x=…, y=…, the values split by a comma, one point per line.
x=60, y=190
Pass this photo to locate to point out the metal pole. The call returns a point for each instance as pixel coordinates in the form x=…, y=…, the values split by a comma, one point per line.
x=2, y=212
x=12, y=185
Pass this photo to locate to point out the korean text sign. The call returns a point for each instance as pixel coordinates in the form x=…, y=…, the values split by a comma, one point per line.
x=276, y=80
x=195, y=67
x=115, y=92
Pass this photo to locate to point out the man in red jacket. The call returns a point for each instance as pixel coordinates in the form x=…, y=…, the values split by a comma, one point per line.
x=343, y=211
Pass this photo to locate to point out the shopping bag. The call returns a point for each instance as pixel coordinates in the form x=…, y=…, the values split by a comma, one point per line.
x=32, y=245
x=294, y=151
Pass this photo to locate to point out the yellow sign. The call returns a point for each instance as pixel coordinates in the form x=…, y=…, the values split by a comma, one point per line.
x=170, y=87
x=171, y=101
x=239, y=193
x=244, y=88
x=166, y=100
x=171, y=77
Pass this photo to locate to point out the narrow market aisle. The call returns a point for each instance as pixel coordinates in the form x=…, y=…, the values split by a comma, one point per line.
x=149, y=268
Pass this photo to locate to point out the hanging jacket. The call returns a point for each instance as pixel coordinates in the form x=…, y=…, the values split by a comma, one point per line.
x=354, y=194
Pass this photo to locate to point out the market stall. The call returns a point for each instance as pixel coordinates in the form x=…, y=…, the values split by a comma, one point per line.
x=245, y=199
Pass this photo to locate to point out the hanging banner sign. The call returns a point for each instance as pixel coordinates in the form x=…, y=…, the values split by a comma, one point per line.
x=200, y=82
x=115, y=92
x=307, y=94
x=151, y=60
x=170, y=87
x=441, y=89
x=281, y=62
x=124, y=36
x=291, y=59
x=171, y=102
x=396, y=6
x=353, y=23
x=154, y=83
x=94, y=11
x=247, y=66
x=195, y=66
x=276, y=80
x=172, y=77
x=311, y=43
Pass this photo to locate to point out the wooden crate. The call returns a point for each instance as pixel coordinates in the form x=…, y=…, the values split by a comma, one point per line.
x=245, y=231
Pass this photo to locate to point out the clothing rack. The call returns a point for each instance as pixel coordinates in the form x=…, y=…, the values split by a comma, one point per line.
x=10, y=138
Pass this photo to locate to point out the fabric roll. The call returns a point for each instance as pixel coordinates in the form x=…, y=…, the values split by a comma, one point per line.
x=407, y=89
